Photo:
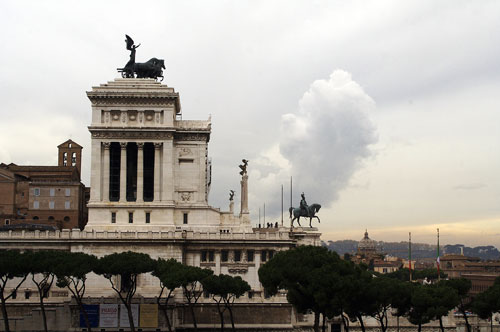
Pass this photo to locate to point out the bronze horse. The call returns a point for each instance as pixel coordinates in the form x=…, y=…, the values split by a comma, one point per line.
x=311, y=213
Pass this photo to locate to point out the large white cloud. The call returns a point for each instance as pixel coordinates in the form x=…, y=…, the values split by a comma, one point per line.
x=321, y=145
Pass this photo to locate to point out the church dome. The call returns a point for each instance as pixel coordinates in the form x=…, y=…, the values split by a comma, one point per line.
x=366, y=244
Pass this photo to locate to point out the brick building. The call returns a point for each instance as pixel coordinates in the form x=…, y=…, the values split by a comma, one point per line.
x=46, y=197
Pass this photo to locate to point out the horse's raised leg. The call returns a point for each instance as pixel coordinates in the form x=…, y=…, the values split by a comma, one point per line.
x=298, y=221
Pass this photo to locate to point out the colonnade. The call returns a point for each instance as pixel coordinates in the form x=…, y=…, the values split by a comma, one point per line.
x=107, y=172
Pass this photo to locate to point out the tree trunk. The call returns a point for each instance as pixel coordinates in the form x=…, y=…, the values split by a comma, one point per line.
x=419, y=327
x=345, y=322
x=4, y=313
x=191, y=307
x=324, y=324
x=165, y=312
x=382, y=325
x=42, y=307
x=231, y=316
x=441, y=324
x=316, y=321
x=85, y=315
x=462, y=309
x=360, y=319
x=221, y=315
x=130, y=317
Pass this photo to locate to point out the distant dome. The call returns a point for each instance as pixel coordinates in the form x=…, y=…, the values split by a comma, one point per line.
x=366, y=244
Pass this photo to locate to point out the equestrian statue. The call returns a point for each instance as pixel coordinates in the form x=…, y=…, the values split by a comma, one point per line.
x=153, y=68
x=307, y=211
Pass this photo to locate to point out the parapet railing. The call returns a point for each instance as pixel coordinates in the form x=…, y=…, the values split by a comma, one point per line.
x=76, y=234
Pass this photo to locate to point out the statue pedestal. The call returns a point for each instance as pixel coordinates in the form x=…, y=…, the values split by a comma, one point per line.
x=306, y=235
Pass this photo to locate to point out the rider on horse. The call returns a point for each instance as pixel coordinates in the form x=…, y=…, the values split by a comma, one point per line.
x=304, y=208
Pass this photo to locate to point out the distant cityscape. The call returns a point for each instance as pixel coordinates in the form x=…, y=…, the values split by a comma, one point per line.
x=418, y=250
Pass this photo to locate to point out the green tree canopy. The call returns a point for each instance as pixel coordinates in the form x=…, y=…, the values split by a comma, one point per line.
x=462, y=287
x=128, y=265
x=71, y=272
x=13, y=264
x=169, y=272
x=191, y=277
x=488, y=302
x=309, y=276
x=42, y=265
x=225, y=289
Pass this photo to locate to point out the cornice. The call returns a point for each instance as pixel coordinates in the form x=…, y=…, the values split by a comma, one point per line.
x=165, y=134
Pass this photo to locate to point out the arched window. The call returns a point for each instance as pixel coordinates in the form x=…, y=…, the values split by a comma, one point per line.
x=35, y=218
x=66, y=219
x=51, y=218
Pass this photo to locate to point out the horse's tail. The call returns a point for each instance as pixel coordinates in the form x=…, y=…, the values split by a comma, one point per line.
x=291, y=210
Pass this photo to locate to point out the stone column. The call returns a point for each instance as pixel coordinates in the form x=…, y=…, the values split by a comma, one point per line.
x=105, y=178
x=96, y=165
x=157, y=180
x=217, y=263
x=167, y=191
x=256, y=257
x=244, y=194
x=123, y=172
x=140, y=172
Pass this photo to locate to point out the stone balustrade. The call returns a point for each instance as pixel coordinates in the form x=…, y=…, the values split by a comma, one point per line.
x=76, y=234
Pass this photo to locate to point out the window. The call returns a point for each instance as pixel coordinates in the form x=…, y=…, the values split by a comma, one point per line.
x=36, y=204
x=131, y=217
x=67, y=192
x=66, y=219
x=204, y=256
x=14, y=294
x=271, y=254
x=65, y=159
x=67, y=205
x=263, y=256
x=237, y=255
x=250, y=294
x=73, y=159
x=148, y=217
x=27, y=294
x=224, y=255
x=51, y=218
x=206, y=294
x=7, y=221
x=185, y=218
x=113, y=217
x=211, y=256
x=250, y=254
x=36, y=191
x=52, y=191
x=52, y=204
x=35, y=218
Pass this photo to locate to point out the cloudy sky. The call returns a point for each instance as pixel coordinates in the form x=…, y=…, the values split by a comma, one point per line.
x=385, y=112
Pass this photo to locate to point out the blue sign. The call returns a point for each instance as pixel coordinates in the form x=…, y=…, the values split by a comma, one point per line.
x=92, y=313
